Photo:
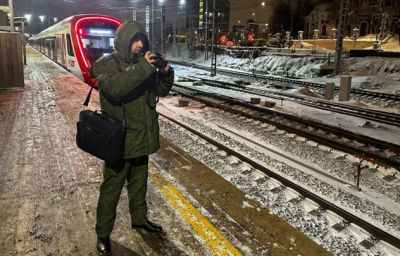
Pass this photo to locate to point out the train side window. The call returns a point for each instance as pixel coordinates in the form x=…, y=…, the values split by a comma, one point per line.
x=69, y=46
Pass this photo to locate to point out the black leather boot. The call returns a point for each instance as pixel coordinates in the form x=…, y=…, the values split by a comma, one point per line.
x=104, y=245
x=148, y=226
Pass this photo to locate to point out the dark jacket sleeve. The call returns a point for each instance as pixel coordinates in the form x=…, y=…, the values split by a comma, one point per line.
x=166, y=82
x=117, y=81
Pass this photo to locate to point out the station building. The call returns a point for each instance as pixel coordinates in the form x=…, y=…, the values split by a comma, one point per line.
x=364, y=17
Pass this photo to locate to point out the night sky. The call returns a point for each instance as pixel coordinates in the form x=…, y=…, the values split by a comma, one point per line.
x=65, y=8
x=241, y=10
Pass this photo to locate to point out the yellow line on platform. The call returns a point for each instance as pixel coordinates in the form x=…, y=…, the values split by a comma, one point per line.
x=212, y=237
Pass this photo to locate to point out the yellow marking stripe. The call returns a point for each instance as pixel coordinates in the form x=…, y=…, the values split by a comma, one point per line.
x=212, y=237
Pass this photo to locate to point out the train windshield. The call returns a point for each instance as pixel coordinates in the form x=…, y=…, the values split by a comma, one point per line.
x=98, y=39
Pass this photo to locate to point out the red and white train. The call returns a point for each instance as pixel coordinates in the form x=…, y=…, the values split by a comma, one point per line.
x=77, y=42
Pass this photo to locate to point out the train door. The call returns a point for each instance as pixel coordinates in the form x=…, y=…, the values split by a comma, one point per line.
x=55, y=48
x=72, y=62
x=63, y=52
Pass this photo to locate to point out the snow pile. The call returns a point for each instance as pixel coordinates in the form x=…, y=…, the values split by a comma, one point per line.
x=374, y=66
x=276, y=64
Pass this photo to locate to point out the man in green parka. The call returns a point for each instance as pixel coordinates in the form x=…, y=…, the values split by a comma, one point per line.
x=129, y=86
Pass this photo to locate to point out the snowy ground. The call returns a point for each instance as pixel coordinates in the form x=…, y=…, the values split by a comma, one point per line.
x=379, y=198
x=370, y=73
x=383, y=212
x=55, y=214
x=49, y=188
x=376, y=130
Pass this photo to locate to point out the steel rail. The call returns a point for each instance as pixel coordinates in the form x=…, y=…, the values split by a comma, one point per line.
x=324, y=203
x=257, y=75
x=370, y=114
x=265, y=115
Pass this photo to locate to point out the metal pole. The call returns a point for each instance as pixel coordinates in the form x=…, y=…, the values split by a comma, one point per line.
x=23, y=40
x=152, y=24
x=10, y=4
x=174, y=52
x=147, y=21
x=134, y=14
x=213, y=60
x=162, y=29
x=340, y=35
x=206, y=33
x=292, y=17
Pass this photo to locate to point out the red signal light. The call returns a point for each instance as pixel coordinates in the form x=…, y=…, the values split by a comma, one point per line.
x=223, y=39
x=250, y=38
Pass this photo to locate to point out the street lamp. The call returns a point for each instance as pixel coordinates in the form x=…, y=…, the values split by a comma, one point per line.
x=334, y=31
x=315, y=36
x=42, y=18
x=28, y=17
x=355, y=36
x=162, y=26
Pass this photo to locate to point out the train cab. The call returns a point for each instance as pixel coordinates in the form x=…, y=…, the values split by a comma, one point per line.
x=77, y=42
x=94, y=38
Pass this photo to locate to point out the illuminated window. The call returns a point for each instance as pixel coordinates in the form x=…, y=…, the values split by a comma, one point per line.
x=69, y=46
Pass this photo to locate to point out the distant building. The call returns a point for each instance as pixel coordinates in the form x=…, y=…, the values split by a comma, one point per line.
x=322, y=19
x=197, y=16
x=374, y=16
x=4, y=20
x=367, y=16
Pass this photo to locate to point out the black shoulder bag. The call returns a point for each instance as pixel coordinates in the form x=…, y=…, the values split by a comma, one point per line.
x=100, y=135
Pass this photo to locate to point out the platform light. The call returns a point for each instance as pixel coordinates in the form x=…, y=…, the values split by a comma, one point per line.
x=28, y=17
x=42, y=18
x=55, y=19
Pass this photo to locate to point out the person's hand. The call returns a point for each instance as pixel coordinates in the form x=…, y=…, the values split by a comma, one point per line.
x=166, y=69
x=149, y=56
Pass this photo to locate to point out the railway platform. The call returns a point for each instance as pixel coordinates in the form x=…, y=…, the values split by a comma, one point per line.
x=49, y=187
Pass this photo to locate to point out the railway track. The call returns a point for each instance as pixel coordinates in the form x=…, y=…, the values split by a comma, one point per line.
x=251, y=76
x=370, y=114
x=322, y=207
x=365, y=148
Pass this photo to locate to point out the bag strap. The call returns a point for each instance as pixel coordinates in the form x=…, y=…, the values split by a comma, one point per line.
x=86, y=102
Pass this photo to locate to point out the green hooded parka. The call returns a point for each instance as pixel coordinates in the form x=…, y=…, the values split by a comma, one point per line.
x=128, y=88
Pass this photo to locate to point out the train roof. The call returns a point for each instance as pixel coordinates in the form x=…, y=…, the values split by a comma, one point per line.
x=60, y=25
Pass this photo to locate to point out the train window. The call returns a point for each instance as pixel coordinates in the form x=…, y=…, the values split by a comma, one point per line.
x=97, y=38
x=69, y=46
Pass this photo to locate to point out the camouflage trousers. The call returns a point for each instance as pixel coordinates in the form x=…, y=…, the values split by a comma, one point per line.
x=134, y=171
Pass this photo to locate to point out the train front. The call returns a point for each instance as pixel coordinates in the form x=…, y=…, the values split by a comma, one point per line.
x=94, y=38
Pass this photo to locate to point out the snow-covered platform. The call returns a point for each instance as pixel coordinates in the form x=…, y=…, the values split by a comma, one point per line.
x=49, y=188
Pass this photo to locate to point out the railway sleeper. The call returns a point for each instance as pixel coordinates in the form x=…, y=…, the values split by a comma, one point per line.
x=296, y=200
x=369, y=242
x=317, y=212
x=278, y=189
x=341, y=225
